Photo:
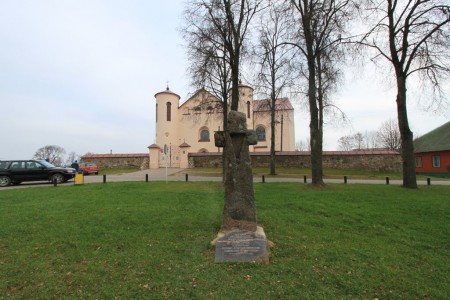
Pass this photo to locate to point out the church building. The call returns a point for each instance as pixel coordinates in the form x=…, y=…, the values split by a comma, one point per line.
x=189, y=127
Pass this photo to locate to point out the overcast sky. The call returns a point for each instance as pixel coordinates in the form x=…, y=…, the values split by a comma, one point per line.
x=82, y=74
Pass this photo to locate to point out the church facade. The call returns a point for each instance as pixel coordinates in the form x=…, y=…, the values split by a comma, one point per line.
x=189, y=127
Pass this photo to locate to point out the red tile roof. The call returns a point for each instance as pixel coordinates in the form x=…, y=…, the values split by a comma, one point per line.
x=185, y=145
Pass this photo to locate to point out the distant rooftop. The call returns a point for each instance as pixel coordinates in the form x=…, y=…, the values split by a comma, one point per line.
x=435, y=140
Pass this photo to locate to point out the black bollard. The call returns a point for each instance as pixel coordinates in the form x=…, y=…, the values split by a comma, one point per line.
x=146, y=177
x=104, y=178
x=187, y=177
x=345, y=179
x=304, y=179
x=263, y=179
x=387, y=180
x=428, y=181
x=55, y=182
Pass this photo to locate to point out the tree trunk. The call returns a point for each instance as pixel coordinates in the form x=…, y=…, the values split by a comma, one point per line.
x=235, y=94
x=272, y=129
x=225, y=128
x=314, y=125
x=319, y=129
x=272, y=150
x=235, y=80
x=407, y=151
x=316, y=146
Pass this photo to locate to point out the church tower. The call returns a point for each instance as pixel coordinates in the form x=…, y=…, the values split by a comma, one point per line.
x=167, y=139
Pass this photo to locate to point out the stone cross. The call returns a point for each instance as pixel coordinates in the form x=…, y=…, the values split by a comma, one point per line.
x=239, y=208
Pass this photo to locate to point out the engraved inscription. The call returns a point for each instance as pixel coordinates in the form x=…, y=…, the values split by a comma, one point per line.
x=240, y=246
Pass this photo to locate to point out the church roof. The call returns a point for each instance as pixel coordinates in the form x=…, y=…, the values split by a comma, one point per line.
x=168, y=91
x=185, y=145
x=207, y=95
x=280, y=104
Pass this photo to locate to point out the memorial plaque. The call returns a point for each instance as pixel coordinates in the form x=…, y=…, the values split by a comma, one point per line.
x=241, y=246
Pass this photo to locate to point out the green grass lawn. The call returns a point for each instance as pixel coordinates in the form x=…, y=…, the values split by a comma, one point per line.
x=114, y=171
x=152, y=241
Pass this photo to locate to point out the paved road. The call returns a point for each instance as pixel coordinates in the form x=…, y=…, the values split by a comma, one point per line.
x=174, y=174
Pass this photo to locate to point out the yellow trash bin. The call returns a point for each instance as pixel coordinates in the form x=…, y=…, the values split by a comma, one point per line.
x=79, y=178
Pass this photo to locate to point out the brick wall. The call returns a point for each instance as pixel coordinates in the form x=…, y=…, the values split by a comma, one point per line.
x=388, y=161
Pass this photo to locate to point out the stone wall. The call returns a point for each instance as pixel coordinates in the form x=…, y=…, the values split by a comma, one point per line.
x=387, y=161
x=138, y=160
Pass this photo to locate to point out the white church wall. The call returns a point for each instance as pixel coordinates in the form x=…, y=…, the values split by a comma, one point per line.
x=192, y=125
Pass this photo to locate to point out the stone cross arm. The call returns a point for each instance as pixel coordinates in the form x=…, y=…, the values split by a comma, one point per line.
x=250, y=135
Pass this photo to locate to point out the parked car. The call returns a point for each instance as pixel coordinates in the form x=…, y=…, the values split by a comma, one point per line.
x=89, y=168
x=17, y=171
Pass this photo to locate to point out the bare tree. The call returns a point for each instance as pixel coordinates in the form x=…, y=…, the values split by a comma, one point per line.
x=389, y=136
x=72, y=156
x=359, y=141
x=345, y=143
x=320, y=26
x=275, y=62
x=355, y=141
x=223, y=26
x=413, y=36
x=371, y=139
x=52, y=153
x=215, y=33
x=208, y=58
x=302, y=145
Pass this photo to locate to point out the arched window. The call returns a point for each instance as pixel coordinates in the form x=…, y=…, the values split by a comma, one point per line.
x=169, y=111
x=156, y=112
x=204, y=135
x=248, y=109
x=261, y=133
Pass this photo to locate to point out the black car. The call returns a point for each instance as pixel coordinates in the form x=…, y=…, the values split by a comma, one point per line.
x=17, y=171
